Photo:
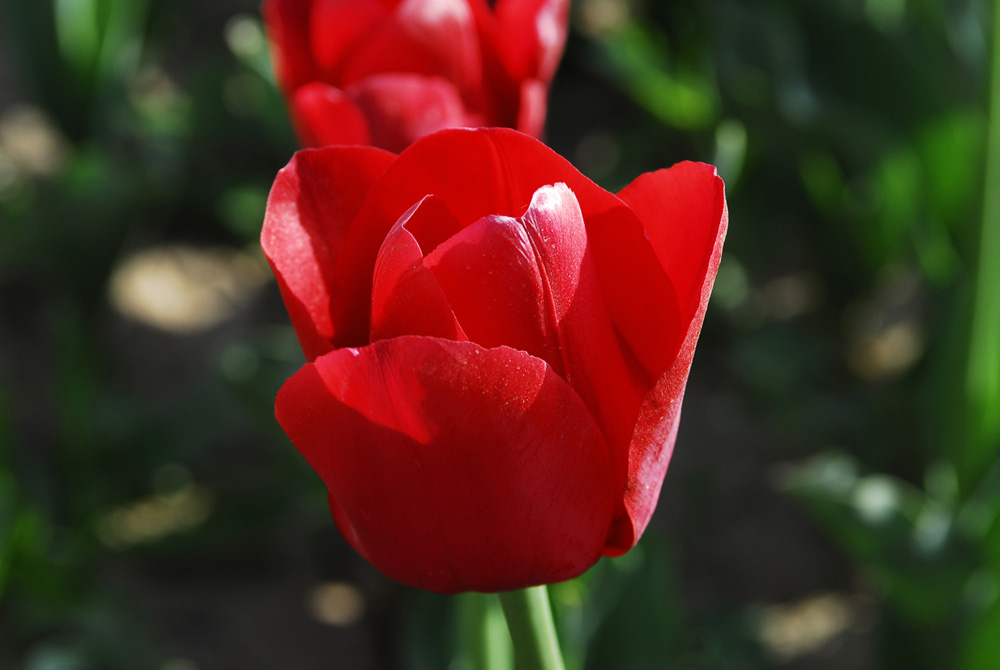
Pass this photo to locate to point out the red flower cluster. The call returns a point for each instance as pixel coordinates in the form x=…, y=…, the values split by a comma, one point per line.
x=385, y=72
x=497, y=347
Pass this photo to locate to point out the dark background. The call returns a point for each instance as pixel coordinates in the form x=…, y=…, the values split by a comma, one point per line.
x=835, y=489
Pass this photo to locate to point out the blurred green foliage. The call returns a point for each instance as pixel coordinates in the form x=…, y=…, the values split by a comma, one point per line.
x=865, y=125
x=834, y=375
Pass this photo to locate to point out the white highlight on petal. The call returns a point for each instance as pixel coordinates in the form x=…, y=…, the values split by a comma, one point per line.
x=433, y=12
x=547, y=26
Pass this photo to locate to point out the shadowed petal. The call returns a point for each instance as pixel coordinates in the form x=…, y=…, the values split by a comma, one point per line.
x=287, y=24
x=400, y=108
x=311, y=206
x=339, y=26
x=324, y=115
x=406, y=297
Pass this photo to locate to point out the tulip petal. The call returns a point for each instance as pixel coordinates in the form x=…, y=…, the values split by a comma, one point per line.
x=453, y=467
x=429, y=37
x=684, y=211
x=590, y=350
x=536, y=31
x=324, y=115
x=310, y=208
x=494, y=283
x=287, y=23
x=337, y=27
x=500, y=90
x=531, y=284
x=496, y=171
x=532, y=108
x=406, y=296
x=403, y=107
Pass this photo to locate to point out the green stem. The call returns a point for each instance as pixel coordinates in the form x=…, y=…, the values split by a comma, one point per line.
x=484, y=643
x=529, y=618
x=982, y=374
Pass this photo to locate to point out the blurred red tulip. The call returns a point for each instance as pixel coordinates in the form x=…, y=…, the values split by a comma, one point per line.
x=498, y=348
x=385, y=72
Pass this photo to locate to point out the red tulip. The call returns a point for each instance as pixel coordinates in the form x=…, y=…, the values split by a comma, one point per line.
x=498, y=348
x=385, y=72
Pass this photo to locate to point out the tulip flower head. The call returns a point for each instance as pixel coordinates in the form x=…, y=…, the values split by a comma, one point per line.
x=385, y=72
x=497, y=349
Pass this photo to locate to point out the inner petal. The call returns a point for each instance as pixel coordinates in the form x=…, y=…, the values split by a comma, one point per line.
x=494, y=284
x=531, y=283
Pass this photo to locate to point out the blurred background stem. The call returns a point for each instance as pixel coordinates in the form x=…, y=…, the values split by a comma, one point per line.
x=982, y=373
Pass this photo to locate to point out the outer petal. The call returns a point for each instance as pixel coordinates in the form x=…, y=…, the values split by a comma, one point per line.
x=403, y=107
x=453, y=467
x=324, y=115
x=287, y=23
x=536, y=35
x=684, y=210
x=496, y=171
x=310, y=208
